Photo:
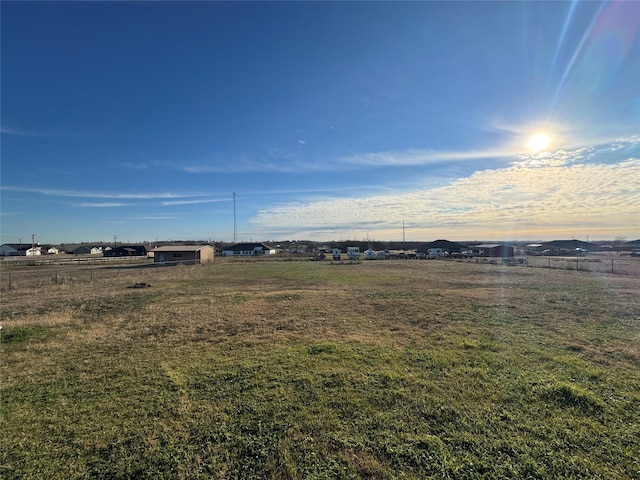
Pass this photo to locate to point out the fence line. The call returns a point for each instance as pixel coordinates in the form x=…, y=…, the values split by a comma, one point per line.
x=50, y=275
x=42, y=276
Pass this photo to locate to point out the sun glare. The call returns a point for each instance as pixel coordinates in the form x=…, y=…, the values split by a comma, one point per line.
x=538, y=142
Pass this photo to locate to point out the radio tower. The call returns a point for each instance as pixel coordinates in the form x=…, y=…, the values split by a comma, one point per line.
x=235, y=228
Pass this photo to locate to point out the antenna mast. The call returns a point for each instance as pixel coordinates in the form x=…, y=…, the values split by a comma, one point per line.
x=235, y=228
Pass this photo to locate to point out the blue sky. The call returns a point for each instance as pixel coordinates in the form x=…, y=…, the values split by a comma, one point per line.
x=330, y=121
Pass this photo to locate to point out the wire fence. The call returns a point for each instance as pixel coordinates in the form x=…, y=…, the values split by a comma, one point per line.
x=42, y=275
x=46, y=275
x=612, y=265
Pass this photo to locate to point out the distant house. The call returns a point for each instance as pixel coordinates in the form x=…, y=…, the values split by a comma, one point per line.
x=494, y=250
x=13, y=249
x=248, y=249
x=125, y=251
x=23, y=249
x=183, y=254
x=86, y=250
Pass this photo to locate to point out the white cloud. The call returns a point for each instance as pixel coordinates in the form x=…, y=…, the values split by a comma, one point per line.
x=535, y=194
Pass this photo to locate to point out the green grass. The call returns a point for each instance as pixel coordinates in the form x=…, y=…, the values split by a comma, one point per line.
x=312, y=370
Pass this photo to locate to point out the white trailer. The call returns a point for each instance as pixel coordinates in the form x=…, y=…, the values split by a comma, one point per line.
x=370, y=254
x=353, y=253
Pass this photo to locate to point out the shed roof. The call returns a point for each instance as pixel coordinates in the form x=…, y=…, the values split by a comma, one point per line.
x=238, y=247
x=446, y=244
x=493, y=245
x=181, y=248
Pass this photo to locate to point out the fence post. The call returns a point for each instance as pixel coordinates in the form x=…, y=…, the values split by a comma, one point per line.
x=612, y=265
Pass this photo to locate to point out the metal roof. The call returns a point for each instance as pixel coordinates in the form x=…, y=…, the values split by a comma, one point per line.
x=180, y=248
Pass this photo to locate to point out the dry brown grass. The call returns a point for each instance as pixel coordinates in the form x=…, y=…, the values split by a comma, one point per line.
x=303, y=367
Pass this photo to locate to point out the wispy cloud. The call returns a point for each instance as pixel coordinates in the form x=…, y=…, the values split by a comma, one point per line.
x=196, y=201
x=96, y=194
x=247, y=165
x=423, y=157
x=100, y=204
x=21, y=132
x=154, y=217
x=288, y=164
x=135, y=166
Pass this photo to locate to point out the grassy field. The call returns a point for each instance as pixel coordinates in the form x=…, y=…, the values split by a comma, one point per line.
x=303, y=370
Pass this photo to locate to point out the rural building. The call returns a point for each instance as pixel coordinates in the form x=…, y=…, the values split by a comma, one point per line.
x=533, y=249
x=23, y=249
x=248, y=249
x=440, y=247
x=13, y=249
x=568, y=247
x=86, y=250
x=494, y=250
x=183, y=254
x=126, y=251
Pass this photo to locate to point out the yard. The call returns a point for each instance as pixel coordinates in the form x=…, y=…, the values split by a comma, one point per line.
x=303, y=370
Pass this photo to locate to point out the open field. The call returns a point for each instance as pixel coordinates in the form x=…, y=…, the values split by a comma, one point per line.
x=303, y=370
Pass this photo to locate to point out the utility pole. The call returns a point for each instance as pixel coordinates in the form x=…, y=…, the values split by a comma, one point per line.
x=33, y=244
x=235, y=228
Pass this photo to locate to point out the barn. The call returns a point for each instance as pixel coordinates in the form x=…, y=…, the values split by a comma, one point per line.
x=193, y=254
x=126, y=251
x=439, y=247
x=494, y=250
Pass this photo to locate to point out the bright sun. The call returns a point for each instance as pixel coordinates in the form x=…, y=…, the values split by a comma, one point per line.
x=538, y=142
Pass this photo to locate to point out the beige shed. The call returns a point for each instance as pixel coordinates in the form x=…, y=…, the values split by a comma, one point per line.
x=175, y=254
